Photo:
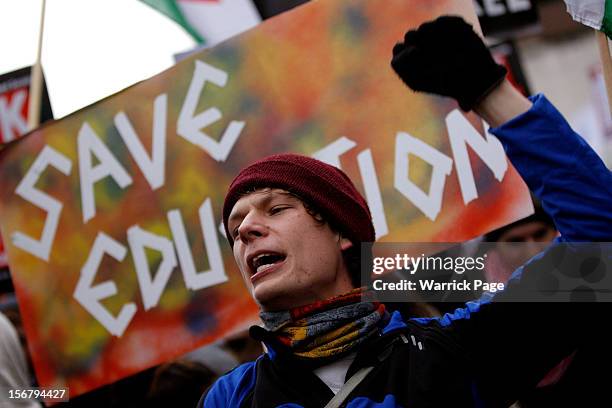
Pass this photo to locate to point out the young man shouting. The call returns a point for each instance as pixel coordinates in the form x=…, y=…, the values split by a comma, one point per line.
x=296, y=224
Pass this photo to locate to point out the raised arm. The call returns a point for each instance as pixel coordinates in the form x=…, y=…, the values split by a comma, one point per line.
x=446, y=57
x=502, y=104
x=509, y=346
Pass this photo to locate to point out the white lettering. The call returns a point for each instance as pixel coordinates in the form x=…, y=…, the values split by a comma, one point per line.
x=478, y=9
x=153, y=168
x=489, y=149
x=151, y=288
x=190, y=124
x=372, y=192
x=11, y=118
x=90, y=295
x=494, y=8
x=331, y=153
x=27, y=190
x=516, y=6
x=88, y=143
x=216, y=274
x=430, y=203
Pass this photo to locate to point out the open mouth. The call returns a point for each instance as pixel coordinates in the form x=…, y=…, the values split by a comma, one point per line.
x=264, y=261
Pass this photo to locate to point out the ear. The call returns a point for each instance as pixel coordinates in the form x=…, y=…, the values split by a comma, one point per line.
x=345, y=243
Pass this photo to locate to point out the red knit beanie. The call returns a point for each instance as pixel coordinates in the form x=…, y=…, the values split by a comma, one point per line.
x=326, y=188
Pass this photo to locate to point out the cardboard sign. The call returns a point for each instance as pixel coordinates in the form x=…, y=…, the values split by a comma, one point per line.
x=111, y=216
x=506, y=18
x=14, y=96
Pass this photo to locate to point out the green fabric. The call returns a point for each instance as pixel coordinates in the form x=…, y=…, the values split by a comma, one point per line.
x=606, y=23
x=172, y=10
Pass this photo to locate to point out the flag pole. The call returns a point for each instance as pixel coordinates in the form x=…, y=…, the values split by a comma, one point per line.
x=36, y=79
x=606, y=61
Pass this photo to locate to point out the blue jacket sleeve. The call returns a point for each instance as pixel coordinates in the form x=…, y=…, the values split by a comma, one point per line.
x=509, y=347
x=562, y=170
x=230, y=390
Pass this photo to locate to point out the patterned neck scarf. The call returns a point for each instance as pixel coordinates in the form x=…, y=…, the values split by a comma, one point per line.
x=327, y=328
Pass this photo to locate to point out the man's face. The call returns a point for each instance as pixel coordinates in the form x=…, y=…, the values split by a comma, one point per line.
x=286, y=257
x=525, y=241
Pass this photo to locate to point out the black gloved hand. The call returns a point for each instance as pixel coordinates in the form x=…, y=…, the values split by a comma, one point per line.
x=447, y=57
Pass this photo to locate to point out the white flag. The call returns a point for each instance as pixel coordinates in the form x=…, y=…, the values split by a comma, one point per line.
x=210, y=21
x=593, y=13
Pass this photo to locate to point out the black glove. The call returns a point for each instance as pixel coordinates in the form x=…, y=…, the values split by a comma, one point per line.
x=447, y=57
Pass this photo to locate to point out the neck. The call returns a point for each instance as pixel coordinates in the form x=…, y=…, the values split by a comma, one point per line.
x=286, y=301
x=328, y=328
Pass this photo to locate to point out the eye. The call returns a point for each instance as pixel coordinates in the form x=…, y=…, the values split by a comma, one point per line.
x=540, y=233
x=235, y=232
x=278, y=208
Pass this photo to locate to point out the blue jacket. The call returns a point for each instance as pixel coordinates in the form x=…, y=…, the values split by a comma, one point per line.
x=487, y=353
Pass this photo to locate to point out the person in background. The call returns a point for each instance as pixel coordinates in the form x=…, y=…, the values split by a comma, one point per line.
x=13, y=367
x=565, y=383
x=518, y=242
x=179, y=383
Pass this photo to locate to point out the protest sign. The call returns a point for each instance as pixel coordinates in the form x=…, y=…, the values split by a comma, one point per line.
x=14, y=95
x=111, y=216
x=506, y=18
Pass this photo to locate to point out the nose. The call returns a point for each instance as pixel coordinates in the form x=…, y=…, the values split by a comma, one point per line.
x=252, y=227
x=532, y=246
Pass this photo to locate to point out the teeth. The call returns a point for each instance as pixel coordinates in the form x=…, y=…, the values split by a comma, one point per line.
x=259, y=256
x=264, y=267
